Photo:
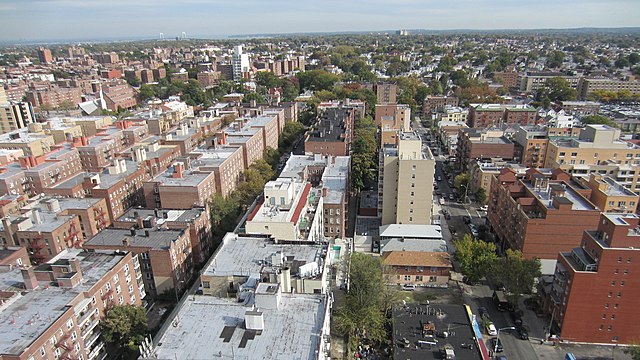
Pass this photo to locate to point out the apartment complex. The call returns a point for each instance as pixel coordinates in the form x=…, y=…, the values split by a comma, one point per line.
x=386, y=93
x=530, y=145
x=611, y=196
x=491, y=115
x=405, y=182
x=587, y=87
x=536, y=80
x=332, y=132
x=595, y=289
x=436, y=103
x=165, y=255
x=53, y=310
x=292, y=211
x=390, y=119
x=598, y=149
x=479, y=144
x=527, y=214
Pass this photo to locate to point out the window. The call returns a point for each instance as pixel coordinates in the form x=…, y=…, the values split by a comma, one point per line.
x=420, y=268
x=604, y=316
x=619, y=257
x=616, y=271
x=418, y=277
x=601, y=327
x=613, y=317
x=206, y=284
x=70, y=324
x=621, y=283
x=43, y=352
x=74, y=336
x=574, y=154
x=407, y=278
x=615, y=306
x=412, y=193
x=606, y=306
x=613, y=283
x=57, y=352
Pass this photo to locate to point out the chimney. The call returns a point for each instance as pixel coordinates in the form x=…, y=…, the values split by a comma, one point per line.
x=140, y=222
x=75, y=265
x=29, y=276
x=286, y=279
x=178, y=171
x=146, y=233
x=125, y=240
x=133, y=231
x=253, y=103
x=325, y=191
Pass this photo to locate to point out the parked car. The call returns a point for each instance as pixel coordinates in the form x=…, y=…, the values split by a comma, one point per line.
x=408, y=287
x=491, y=329
x=466, y=219
x=439, y=178
x=483, y=208
x=497, y=345
x=523, y=333
x=482, y=311
x=451, y=196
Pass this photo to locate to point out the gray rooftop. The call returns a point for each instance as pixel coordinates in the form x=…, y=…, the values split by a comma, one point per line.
x=248, y=256
x=26, y=318
x=577, y=201
x=425, y=245
x=158, y=238
x=211, y=328
x=163, y=215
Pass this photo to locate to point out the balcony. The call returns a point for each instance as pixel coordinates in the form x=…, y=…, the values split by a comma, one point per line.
x=580, y=260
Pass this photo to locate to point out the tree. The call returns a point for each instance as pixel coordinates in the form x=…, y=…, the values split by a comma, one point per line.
x=461, y=182
x=124, y=327
x=317, y=80
x=597, y=119
x=146, y=92
x=367, y=300
x=476, y=258
x=516, y=273
x=272, y=157
x=132, y=79
x=364, y=147
x=558, y=89
x=254, y=96
x=555, y=59
x=290, y=132
x=223, y=212
x=634, y=351
x=66, y=105
x=481, y=196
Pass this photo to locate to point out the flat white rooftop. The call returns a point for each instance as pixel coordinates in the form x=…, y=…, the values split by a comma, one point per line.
x=409, y=231
x=208, y=327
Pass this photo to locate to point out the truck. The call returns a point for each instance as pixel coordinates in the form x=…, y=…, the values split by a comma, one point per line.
x=501, y=301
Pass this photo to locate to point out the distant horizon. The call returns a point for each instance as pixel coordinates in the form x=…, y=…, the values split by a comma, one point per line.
x=37, y=21
x=252, y=36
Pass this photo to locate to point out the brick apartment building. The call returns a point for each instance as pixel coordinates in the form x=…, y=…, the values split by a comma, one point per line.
x=489, y=115
x=226, y=163
x=420, y=268
x=54, y=309
x=386, y=93
x=165, y=255
x=436, y=103
x=595, y=290
x=194, y=221
x=332, y=133
x=54, y=96
x=530, y=144
x=180, y=187
x=539, y=214
x=611, y=196
x=477, y=144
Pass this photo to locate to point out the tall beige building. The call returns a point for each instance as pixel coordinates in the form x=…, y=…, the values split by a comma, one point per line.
x=405, y=181
x=14, y=115
x=598, y=150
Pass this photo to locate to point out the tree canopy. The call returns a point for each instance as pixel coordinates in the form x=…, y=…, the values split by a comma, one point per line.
x=597, y=119
x=476, y=258
x=363, y=157
x=367, y=300
x=516, y=273
x=125, y=327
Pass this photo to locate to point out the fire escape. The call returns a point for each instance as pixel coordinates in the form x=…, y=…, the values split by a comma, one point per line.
x=36, y=245
x=100, y=218
x=72, y=238
x=108, y=298
x=64, y=348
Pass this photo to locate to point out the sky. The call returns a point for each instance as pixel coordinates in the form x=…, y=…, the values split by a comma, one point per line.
x=31, y=20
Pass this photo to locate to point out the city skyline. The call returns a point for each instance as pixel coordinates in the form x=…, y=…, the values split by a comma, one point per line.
x=71, y=19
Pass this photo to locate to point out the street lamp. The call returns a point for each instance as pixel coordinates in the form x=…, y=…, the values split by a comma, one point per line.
x=466, y=189
x=495, y=348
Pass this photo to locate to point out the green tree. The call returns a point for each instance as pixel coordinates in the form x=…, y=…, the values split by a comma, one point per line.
x=132, y=79
x=633, y=58
x=146, y=92
x=461, y=181
x=516, y=273
x=367, y=300
x=555, y=59
x=272, y=157
x=124, y=327
x=481, y=196
x=363, y=161
x=597, y=119
x=558, y=89
x=254, y=96
x=634, y=351
x=317, y=80
x=476, y=258
x=66, y=105
x=290, y=132
x=267, y=79
x=223, y=212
